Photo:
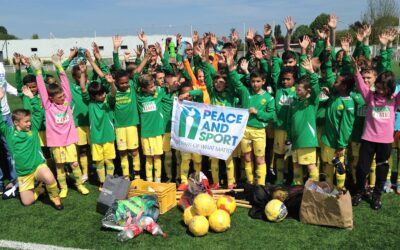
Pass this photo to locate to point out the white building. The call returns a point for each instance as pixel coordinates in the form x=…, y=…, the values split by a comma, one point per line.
x=44, y=48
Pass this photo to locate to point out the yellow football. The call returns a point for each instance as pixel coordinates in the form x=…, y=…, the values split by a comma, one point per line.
x=275, y=210
x=220, y=221
x=188, y=215
x=227, y=203
x=199, y=225
x=204, y=205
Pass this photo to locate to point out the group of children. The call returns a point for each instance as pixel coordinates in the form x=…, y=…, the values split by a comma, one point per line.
x=323, y=110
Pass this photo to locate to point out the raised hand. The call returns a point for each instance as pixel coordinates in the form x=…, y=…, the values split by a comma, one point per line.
x=96, y=51
x=117, y=41
x=60, y=53
x=345, y=43
x=138, y=50
x=250, y=34
x=307, y=65
x=267, y=30
x=27, y=92
x=56, y=60
x=383, y=38
x=17, y=58
x=355, y=66
x=230, y=61
x=142, y=37
x=367, y=30
x=360, y=35
x=289, y=23
x=244, y=66
x=179, y=65
x=158, y=48
x=109, y=79
x=195, y=37
x=35, y=62
x=257, y=53
x=213, y=39
x=72, y=53
x=235, y=36
x=178, y=39
x=332, y=21
x=305, y=42
x=391, y=35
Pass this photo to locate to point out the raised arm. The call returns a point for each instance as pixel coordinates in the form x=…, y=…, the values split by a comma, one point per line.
x=290, y=24
x=36, y=65
x=117, y=41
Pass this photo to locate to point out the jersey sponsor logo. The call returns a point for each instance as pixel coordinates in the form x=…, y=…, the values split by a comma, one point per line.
x=340, y=107
x=123, y=100
x=62, y=118
x=263, y=101
x=381, y=113
x=149, y=107
x=285, y=100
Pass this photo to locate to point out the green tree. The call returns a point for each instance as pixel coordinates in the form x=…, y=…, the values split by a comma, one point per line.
x=35, y=36
x=278, y=34
x=376, y=9
x=3, y=30
x=319, y=23
x=301, y=31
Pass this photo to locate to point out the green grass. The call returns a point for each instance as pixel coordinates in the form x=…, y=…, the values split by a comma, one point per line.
x=78, y=225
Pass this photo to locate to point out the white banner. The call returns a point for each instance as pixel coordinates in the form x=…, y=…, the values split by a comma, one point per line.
x=205, y=129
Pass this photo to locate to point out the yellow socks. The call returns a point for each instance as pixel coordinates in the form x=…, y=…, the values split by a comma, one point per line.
x=314, y=174
x=52, y=190
x=230, y=171
x=125, y=165
x=157, y=168
x=184, y=171
x=297, y=174
x=248, y=168
x=149, y=168
x=168, y=164
x=109, y=167
x=61, y=177
x=215, y=170
x=261, y=173
x=100, y=171
x=84, y=164
x=77, y=174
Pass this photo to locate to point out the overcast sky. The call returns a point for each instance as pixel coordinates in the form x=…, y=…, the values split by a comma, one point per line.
x=84, y=18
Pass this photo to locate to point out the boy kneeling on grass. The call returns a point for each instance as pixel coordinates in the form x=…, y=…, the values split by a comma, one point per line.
x=23, y=140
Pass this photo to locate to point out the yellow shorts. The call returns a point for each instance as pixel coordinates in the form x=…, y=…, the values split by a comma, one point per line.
x=127, y=138
x=280, y=137
x=167, y=142
x=105, y=151
x=152, y=145
x=83, y=136
x=27, y=182
x=42, y=138
x=65, y=154
x=254, y=138
x=305, y=156
x=328, y=153
x=191, y=156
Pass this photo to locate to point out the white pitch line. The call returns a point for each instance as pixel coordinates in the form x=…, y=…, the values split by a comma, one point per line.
x=32, y=246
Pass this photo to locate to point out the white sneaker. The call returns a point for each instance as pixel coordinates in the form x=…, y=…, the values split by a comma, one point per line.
x=157, y=180
x=388, y=187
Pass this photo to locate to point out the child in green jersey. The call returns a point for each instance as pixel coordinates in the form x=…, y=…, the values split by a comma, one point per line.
x=23, y=141
x=102, y=134
x=339, y=118
x=302, y=132
x=152, y=125
x=126, y=119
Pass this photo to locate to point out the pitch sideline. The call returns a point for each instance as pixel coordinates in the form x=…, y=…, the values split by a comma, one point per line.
x=32, y=246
